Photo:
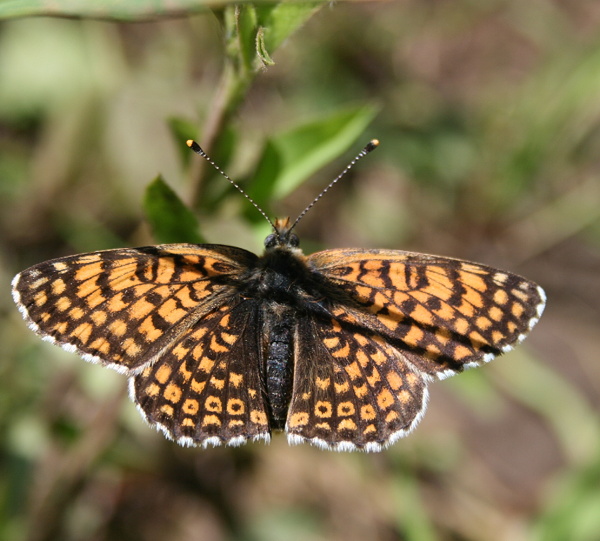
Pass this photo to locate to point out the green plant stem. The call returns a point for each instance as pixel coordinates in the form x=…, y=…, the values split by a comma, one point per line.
x=220, y=111
x=238, y=74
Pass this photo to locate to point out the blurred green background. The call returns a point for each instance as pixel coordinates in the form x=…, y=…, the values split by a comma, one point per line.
x=488, y=115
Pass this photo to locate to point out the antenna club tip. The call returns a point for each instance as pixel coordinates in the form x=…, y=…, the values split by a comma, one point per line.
x=194, y=146
x=372, y=145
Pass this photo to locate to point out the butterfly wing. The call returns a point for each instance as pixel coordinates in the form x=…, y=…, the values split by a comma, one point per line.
x=393, y=321
x=123, y=308
x=444, y=314
x=205, y=389
x=352, y=389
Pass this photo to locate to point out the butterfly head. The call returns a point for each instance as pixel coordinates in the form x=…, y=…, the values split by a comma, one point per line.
x=282, y=236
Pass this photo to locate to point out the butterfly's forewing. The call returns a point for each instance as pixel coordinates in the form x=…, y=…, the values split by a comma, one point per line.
x=352, y=390
x=205, y=389
x=123, y=307
x=443, y=314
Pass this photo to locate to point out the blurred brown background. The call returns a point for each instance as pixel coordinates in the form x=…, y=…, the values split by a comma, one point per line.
x=490, y=150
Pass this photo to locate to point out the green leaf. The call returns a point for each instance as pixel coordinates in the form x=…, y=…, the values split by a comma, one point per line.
x=261, y=48
x=171, y=221
x=136, y=10
x=292, y=157
x=278, y=22
x=106, y=9
x=256, y=31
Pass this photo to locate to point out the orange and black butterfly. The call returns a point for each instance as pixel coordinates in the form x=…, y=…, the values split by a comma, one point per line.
x=222, y=346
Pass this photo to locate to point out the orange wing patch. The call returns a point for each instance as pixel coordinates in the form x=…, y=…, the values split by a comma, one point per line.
x=90, y=303
x=365, y=398
x=202, y=390
x=446, y=314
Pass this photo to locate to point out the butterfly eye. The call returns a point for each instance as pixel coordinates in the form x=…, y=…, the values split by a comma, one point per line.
x=294, y=241
x=271, y=240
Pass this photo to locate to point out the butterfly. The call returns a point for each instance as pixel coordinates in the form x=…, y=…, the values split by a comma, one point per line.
x=222, y=346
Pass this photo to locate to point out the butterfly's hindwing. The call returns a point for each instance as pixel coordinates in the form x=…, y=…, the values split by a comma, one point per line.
x=352, y=390
x=206, y=387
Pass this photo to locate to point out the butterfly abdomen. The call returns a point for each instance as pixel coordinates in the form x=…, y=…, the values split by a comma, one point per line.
x=279, y=362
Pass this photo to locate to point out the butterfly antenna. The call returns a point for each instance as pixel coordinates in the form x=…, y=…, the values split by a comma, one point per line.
x=371, y=145
x=198, y=150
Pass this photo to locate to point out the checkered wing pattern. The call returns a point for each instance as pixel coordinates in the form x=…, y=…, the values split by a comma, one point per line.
x=352, y=389
x=122, y=308
x=206, y=389
x=168, y=316
x=195, y=326
x=398, y=320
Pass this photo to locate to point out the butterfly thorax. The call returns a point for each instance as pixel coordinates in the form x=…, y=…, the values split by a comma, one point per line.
x=281, y=274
